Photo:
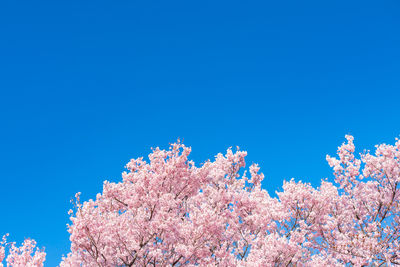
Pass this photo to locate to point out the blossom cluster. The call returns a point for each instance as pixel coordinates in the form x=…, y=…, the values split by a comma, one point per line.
x=170, y=212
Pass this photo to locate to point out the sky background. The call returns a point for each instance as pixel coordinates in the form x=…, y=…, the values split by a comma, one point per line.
x=87, y=85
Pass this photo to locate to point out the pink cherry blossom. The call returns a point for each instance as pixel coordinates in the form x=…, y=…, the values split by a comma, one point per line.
x=23, y=256
x=170, y=212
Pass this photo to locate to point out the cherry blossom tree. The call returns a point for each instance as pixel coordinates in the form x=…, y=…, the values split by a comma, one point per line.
x=23, y=256
x=168, y=212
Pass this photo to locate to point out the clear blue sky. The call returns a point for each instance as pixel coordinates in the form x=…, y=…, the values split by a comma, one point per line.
x=87, y=85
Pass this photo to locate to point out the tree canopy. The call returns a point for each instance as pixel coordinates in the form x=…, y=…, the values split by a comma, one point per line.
x=170, y=212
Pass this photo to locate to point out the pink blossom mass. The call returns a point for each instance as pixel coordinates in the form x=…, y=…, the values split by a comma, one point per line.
x=169, y=212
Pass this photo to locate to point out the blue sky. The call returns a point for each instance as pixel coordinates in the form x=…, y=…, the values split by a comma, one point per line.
x=87, y=85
